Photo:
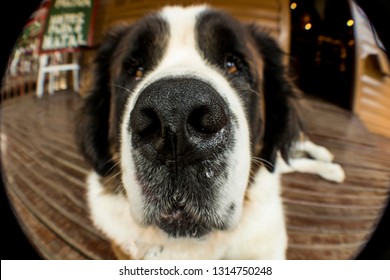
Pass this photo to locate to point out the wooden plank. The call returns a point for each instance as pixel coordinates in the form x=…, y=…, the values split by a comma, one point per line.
x=319, y=253
x=44, y=240
x=79, y=240
x=375, y=119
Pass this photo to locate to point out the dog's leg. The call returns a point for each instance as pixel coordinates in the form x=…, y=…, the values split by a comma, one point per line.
x=315, y=151
x=327, y=170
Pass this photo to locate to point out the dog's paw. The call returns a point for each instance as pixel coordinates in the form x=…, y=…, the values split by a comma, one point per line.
x=332, y=172
x=322, y=154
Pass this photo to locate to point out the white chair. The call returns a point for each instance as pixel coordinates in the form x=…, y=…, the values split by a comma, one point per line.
x=46, y=66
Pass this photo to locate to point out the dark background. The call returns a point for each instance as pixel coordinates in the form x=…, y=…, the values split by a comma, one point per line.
x=14, y=244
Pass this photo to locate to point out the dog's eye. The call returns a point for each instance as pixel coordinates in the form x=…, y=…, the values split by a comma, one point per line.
x=134, y=69
x=139, y=73
x=233, y=64
x=136, y=73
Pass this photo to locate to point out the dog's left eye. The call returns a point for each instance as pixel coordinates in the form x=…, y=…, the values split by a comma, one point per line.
x=233, y=64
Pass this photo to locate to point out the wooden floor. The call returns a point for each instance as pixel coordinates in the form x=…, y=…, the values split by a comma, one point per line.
x=45, y=175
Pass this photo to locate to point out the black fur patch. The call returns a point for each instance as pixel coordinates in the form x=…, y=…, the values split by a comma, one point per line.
x=282, y=125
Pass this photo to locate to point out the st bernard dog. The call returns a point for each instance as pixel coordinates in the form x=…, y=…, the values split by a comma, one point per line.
x=189, y=123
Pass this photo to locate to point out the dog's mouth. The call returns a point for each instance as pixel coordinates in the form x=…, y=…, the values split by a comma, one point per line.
x=180, y=223
x=182, y=203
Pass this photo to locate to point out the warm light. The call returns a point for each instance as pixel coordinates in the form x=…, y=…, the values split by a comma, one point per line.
x=293, y=6
x=350, y=22
x=308, y=26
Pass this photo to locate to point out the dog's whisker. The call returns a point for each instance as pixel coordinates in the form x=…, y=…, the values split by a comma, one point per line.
x=247, y=89
x=116, y=184
x=253, y=91
x=121, y=87
x=119, y=190
x=115, y=175
x=261, y=162
x=112, y=167
x=251, y=176
x=112, y=177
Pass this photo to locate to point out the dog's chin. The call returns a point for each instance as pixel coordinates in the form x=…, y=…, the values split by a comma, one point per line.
x=180, y=224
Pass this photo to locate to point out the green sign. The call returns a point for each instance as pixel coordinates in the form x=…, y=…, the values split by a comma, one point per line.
x=68, y=25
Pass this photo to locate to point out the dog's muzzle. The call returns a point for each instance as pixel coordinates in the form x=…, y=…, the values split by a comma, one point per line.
x=179, y=126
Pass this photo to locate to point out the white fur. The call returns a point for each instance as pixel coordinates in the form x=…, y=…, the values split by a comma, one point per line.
x=315, y=151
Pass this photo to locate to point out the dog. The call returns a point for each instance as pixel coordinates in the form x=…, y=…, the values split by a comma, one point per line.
x=188, y=126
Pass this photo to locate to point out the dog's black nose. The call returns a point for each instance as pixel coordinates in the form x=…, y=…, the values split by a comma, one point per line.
x=179, y=119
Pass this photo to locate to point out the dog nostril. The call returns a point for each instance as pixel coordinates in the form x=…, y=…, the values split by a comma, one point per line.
x=207, y=121
x=147, y=123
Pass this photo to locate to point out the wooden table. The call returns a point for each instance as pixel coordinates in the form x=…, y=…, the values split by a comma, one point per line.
x=44, y=177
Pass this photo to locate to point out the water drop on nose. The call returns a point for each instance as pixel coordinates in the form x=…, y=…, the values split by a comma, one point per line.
x=209, y=173
x=208, y=167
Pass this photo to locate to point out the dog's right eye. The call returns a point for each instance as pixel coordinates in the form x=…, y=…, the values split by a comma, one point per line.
x=139, y=73
x=134, y=69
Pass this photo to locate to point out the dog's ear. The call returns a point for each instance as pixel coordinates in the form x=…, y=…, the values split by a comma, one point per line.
x=282, y=125
x=92, y=121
